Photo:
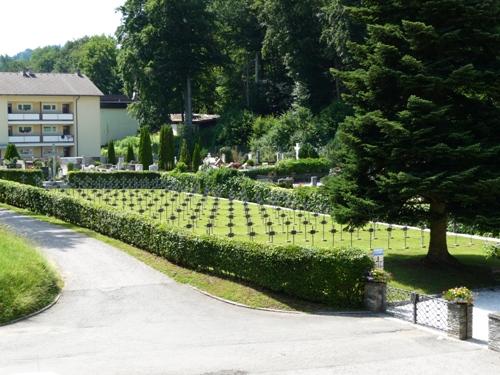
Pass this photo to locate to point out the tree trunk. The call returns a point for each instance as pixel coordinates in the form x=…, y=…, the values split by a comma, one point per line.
x=438, y=247
x=189, y=103
x=257, y=67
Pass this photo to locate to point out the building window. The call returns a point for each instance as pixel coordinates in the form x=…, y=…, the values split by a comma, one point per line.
x=24, y=107
x=25, y=129
x=26, y=151
x=50, y=129
x=49, y=107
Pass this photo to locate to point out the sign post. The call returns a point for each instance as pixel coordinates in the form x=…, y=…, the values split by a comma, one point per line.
x=378, y=258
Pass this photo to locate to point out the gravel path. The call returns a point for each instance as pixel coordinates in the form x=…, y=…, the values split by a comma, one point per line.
x=118, y=316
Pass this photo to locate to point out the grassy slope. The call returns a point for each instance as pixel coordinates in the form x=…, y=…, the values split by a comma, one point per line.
x=404, y=263
x=27, y=282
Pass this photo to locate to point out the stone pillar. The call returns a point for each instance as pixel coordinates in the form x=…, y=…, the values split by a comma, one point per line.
x=460, y=320
x=494, y=331
x=375, y=296
x=314, y=181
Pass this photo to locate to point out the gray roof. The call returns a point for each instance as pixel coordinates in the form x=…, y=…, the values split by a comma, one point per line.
x=48, y=84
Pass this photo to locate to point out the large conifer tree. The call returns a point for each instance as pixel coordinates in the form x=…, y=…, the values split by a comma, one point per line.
x=424, y=143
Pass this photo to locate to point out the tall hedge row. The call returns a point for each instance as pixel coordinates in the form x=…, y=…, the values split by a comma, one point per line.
x=333, y=277
x=25, y=176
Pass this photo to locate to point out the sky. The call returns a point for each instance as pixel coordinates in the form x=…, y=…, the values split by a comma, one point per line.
x=37, y=23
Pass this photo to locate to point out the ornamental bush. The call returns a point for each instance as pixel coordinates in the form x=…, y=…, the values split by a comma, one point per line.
x=24, y=176
x=333, y=277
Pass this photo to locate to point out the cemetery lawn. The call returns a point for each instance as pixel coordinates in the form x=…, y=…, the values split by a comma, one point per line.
x=404, y=249
x=27, y=282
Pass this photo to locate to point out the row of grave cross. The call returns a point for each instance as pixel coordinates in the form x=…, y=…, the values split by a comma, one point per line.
x=193, y=209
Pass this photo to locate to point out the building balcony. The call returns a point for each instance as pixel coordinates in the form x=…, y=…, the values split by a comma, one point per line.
x=24, y=116
x=58, y=139
x=52, y=117
x=57, y=116
x=24, y=139
x=35, y=139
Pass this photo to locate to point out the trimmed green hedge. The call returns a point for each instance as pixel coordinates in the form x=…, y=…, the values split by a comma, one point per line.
x=118, y=179
x=292, y=167
x=25, y=176
x=333, y=277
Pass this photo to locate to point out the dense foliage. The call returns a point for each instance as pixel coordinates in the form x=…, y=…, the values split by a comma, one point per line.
x=423, y=144
x=25, y=176
x=334, y=277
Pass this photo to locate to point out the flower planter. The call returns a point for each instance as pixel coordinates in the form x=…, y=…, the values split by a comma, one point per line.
x=460, y=320
x=375, y=296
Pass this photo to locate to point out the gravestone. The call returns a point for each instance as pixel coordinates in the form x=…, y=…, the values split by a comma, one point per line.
x=297, y=150
x=139, y=167
x=119, y=165
x=314, y=181
x=153, y=168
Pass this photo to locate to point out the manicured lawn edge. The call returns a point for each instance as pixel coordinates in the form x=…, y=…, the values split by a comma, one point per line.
x=29, y=283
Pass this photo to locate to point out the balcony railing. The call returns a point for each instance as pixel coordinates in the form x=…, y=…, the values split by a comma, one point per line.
x=24, y=139
x=43, y=139
x=57, y=116
x=38, y=117
x=23, y=116
x=58, y=139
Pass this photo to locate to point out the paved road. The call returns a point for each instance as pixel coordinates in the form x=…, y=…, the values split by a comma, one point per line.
x=118, y=316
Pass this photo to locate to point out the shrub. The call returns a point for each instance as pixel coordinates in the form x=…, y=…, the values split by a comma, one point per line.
x=11, y=152
x=29, y=177
x=334, y=277
x=130, y=154
x=196, y=159
x=459, y=295
x=111, y=153
x=492, y=250
x=181, y=167
x=145, y=148
x=308, y=151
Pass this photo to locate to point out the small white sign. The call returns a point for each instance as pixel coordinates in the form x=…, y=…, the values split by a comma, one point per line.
x=378, y=258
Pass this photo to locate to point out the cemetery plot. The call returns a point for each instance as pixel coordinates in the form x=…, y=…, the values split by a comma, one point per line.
x=228, y=218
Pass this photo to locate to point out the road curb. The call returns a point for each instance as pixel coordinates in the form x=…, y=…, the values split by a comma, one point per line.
x=292, y=312
x=56, y=299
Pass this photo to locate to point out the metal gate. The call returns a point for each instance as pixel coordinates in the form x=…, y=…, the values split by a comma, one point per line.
x=418, y=308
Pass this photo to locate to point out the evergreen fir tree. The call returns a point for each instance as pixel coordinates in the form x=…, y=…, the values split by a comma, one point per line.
x=130, y=154
x=170, y=154
x=11, y=152
x=145, y=149
x=423, y=145
x=196, y=162
x=184, y=153
x=111, y=153
x=164, y=146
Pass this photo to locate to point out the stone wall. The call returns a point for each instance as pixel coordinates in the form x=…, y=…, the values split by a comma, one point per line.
x=494, y=332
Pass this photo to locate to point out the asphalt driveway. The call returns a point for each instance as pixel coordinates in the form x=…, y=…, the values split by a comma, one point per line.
x=119, y=316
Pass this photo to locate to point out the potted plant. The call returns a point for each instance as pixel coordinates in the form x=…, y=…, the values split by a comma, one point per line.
x=459, y=295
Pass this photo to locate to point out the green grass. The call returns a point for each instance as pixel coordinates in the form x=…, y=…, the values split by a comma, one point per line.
x=27, y=282
x=403, y=250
